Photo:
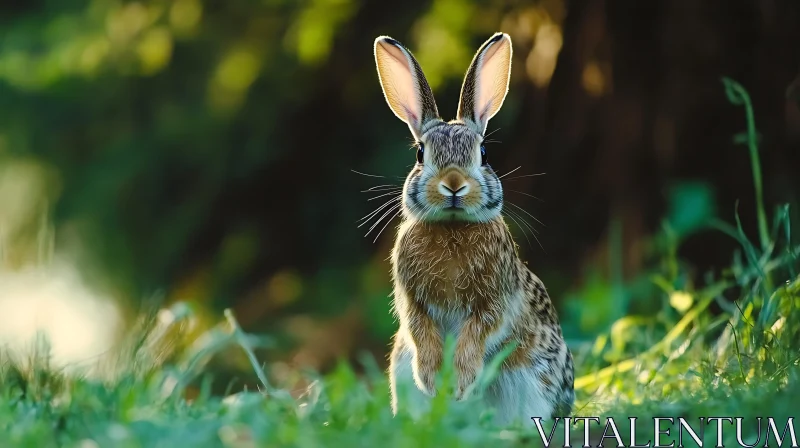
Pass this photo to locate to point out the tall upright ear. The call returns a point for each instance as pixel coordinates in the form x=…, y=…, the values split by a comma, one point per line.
x=486, y=83
x=404, y=86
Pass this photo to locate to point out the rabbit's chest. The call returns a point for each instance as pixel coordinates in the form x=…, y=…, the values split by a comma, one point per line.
x=449, y=268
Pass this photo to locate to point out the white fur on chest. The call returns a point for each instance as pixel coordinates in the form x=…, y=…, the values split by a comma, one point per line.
x=449, y=322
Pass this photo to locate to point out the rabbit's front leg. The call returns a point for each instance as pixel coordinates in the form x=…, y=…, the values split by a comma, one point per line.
x=427, y=347
x=471, y=348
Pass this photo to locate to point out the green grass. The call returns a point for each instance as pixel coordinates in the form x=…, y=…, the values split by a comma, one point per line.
x=685, y=360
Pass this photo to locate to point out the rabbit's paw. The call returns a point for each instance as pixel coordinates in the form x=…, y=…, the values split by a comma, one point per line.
x=468, y=365
x=425, y=368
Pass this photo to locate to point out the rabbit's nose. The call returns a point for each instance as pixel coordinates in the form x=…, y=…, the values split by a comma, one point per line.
x=448, y=189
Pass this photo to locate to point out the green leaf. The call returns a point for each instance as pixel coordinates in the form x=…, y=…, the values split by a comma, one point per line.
x=733, y=90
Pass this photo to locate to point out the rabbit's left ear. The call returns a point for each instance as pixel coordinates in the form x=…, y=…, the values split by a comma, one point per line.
x=486, y=83
x=404, y=86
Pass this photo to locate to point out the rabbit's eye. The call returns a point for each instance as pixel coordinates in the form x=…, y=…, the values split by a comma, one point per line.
x=484, y=161
x=420, y=152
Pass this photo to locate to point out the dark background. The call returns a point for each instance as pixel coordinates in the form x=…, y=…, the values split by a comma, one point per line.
x=203, y=150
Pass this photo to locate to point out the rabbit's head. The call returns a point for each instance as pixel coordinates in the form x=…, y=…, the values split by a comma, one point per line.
x=451, y=180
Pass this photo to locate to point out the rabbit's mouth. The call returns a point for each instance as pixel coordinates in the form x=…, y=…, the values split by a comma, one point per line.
x=455, y=213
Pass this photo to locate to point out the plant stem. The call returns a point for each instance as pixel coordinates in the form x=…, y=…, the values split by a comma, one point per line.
x=241, y=338
x=755, y=162
x=738, y=95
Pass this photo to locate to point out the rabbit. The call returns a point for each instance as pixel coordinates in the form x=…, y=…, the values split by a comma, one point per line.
x=455, y=265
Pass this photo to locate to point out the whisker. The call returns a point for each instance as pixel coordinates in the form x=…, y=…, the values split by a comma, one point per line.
x=377, y=175
x=382, y=187
x=533, y=231
x=365, y=174
x=515, y=169
x=530, y=226
x=526, y=175
x=391, y=209
x=426, y=211
x=539, y=243
x=524, y=221
x=385, y=225
x=487, y=135
x=382, y=195
x=522, y=229
x=526, y=194
x=376, y=211
x=526, y=212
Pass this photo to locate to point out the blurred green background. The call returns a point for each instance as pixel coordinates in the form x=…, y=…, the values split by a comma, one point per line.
x=203, y=151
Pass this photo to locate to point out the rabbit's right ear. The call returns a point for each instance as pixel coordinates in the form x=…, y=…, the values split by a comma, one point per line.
x=404, y=86
x=486, y=83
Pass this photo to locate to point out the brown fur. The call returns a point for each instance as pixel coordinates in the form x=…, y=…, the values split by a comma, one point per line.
x=474, y=268
x=448, y=266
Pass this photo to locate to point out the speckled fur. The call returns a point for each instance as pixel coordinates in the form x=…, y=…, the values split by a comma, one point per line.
x=457, y=271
